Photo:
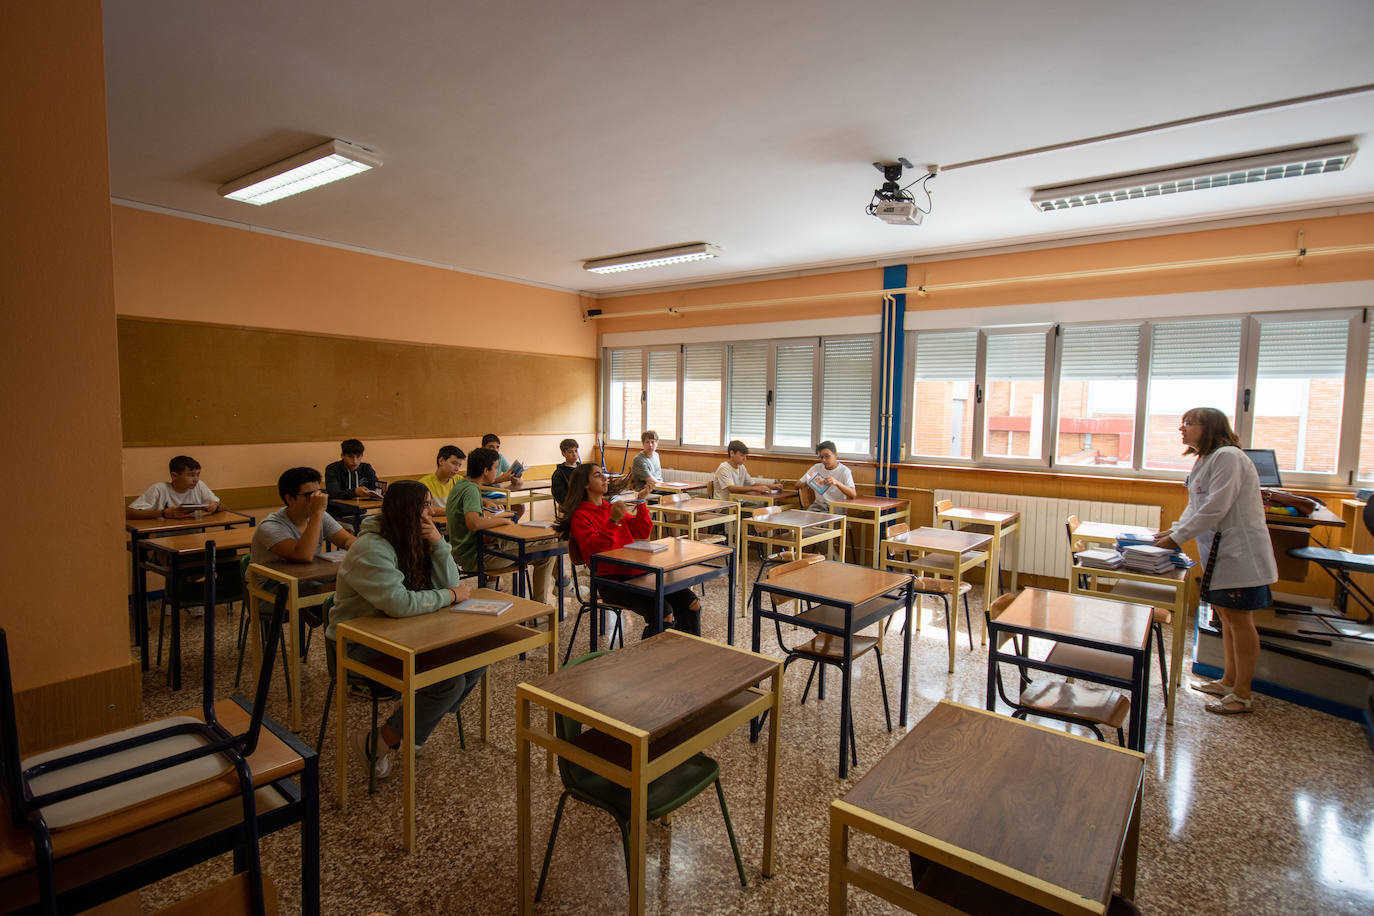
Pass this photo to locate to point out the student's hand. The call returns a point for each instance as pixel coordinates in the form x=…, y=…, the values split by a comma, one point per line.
x=318, y=500
x=428, y=531
x=619, y=510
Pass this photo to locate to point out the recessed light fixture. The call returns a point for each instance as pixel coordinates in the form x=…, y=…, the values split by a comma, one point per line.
x=317, y=166
x=1222, y=173
x=658, y=257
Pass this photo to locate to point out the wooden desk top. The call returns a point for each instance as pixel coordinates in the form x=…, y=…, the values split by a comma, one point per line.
x=168, y=525
x=697, y=504
x=272, y=760
x=1320, y=517
x=445, y=626
x=870, y=502
x=1062, y=820
x=1098, y=619
x=231, y=538
x=656, y=684
x=681, y=552
x=1109, y=531
x=941, y=539
x=798, y=518
x=979, y=516
x=842, y=582
x=522, y=532
x=316, y=570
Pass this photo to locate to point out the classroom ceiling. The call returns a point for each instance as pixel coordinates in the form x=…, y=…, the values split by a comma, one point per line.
x=520, y=138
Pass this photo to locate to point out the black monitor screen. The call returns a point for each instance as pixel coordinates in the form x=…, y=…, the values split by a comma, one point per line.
x=1267, y=465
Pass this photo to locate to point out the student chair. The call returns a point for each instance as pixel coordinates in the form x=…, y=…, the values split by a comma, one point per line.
x=584, y=606
x=1341, y=565
x=669, y=792
x=142, y=767
x=1088, y=705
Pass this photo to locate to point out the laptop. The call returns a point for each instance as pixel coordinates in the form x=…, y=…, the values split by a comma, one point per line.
x=1267, y=465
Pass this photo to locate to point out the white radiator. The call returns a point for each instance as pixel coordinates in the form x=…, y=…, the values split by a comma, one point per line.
x=1044, y=543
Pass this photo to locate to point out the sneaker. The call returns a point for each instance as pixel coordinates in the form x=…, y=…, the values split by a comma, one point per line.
x=381, y=767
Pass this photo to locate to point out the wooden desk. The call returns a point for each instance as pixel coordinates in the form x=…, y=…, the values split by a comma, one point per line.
x=527, y=542
x=944, y=552
x=358, y=507
x=650, y=706
x=1080, y=620
x=1002, y=523
x=424, y=650
x=683, y=565
x=871, y=512
x=290, y=576
x=694, y=514
x=107, y=857
x=851, y=598
x=957, y=793
x=140, y=528
x=790, y=529
x=178, y=555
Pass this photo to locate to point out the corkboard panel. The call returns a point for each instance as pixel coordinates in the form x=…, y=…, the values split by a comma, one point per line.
x=184, y=383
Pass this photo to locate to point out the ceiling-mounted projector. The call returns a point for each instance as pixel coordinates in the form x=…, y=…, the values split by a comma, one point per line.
x=894, y=204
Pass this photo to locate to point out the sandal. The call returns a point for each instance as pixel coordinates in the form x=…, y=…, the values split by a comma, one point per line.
x=1211, y=688
x=1223, y=707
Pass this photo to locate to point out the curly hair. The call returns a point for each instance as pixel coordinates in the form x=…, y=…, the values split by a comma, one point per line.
x=405, y=502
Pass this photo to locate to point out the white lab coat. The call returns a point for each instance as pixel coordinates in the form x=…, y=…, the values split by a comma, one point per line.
x=1224, y=495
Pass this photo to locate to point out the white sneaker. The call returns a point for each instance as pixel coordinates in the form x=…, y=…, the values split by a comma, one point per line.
x=381, y=767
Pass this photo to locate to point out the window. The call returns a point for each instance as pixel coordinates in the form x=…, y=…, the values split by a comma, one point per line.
x=794, y=380
x=701, y=395
x=1299, y=383
x=1192, y=364
x=847, y=399
x=660, y=401
x=944, y=371
x=746, y=411
x=1014, y=399
x=1098, y=366
x=624, y=393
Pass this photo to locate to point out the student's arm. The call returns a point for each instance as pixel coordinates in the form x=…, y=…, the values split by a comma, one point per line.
x=303, y=549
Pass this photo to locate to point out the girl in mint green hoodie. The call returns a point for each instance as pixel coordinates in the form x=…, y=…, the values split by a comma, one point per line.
x=401, y=566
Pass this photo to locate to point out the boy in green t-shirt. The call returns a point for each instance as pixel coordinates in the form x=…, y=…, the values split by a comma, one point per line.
x=466, y=520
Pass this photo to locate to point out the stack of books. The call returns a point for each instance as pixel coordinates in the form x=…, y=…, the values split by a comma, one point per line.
x=1100, y=558
x=1148, y=559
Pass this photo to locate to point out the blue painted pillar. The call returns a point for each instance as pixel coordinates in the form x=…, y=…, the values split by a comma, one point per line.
x=893, y=336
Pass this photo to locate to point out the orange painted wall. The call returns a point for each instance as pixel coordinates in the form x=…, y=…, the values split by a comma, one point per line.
x=189, y=270
x=64, y=560
x=1277, y=236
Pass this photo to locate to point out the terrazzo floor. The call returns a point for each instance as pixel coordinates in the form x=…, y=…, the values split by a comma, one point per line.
x=1271, y=813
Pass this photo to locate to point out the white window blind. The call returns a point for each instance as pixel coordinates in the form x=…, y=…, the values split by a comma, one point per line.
x=1303, y=349
x=746, y=412
x=794, y=373
x=623, y=414
x=1016, y=357
x=1195, y=349
x=660, y=408
x=1100, y=353
x=701, y=395
x=847, y=393
x=946, y=357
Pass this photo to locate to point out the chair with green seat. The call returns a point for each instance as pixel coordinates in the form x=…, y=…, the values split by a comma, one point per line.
x=669, y=792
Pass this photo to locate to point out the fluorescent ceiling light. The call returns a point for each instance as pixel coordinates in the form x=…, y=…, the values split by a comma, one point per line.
x=658, y=257
x=317, y=166
x=1222, y=173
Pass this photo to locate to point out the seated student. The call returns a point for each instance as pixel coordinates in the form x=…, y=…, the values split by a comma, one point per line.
x=466, y=520
x=503, y=468
x=572, y=457
x=295, y=531
x=165, y=500
x=733, y=477
x=594, y=524
x=835, y=480
x=448, y=464
x=351, y=477
x=646, y=468
x=401, y=567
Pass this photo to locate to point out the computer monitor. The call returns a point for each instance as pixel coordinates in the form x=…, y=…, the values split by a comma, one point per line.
x=1267, y=465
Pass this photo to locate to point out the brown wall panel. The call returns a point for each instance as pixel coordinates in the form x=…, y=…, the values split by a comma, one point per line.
x=184, y=383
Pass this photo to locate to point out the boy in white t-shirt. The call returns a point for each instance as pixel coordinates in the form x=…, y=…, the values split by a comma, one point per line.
x=834, y=480
x=178, y=498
